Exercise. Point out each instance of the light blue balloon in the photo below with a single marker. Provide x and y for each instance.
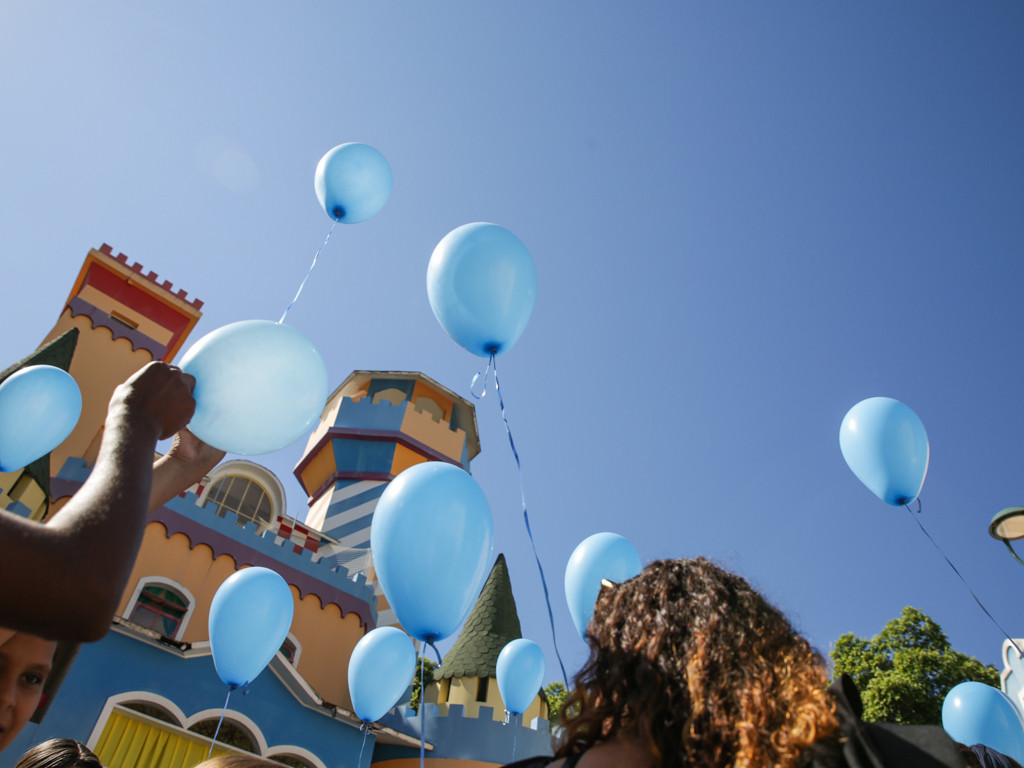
(601, 556)
(884, 443)
(39, 407)
(260, 386)
(975, 713)
(482, 286)
(520, 673)
(352, 182)
(379, 671)
(431, 539)
(250, 615)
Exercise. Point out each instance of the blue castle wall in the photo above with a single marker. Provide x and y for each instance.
(120, 663)
(456, 736)
(325, 570)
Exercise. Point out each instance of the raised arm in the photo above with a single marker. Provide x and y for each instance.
(63, 580)
(188, 462)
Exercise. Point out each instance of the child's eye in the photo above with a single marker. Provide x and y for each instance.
(32, 679)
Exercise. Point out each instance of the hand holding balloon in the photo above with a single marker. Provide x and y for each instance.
(39, 407)
(159, 393)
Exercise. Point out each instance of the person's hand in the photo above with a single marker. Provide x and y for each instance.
(159, 393)
(193, 455)
(188, 461)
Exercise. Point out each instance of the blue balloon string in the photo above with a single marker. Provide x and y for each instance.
(526, 518)
(515, 734)
(222, 712)
(365, 728)
(309, 271)
(917, 520)
(423, 714)
(485, 374)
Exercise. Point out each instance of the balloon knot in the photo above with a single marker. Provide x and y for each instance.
(338, 213)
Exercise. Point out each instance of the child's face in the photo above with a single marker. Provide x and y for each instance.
(25, 662)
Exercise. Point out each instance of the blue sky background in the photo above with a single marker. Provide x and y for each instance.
(745, 217)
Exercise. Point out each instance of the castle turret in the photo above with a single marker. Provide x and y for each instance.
(467, 674)
(374, 426)
(145, 319)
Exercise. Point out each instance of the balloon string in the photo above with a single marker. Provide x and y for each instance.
(217, 730)
(437, 653)
(309, 271)
(526, 518)
(366, 731)
(485, 374)
(515, 734)
(423, 713)
(957, 572)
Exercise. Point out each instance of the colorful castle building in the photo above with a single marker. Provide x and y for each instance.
(147, 695)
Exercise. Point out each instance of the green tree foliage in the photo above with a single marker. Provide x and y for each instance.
(428, 677)
(905, 671)
(555, 694)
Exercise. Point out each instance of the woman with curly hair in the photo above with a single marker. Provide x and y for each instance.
(691, 668)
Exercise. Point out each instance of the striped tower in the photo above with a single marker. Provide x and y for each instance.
(376, 424)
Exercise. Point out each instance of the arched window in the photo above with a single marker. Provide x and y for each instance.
(231, 733)
(161, 608)
(243, 496)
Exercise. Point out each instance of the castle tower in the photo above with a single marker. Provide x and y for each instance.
(468, 672)
(464, 712)
(145, 319)
(374, 426)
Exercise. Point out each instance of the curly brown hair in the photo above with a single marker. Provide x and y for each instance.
(688, 662)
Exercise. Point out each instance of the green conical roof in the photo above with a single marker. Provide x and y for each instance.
(57, 353)
(492, 624)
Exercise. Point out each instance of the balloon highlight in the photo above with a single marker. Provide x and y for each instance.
(260, 386)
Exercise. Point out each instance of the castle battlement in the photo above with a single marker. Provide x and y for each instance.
(308, 573)
(455, 735)
(150, 276)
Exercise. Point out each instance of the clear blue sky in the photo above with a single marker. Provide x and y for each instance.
(745, 217)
